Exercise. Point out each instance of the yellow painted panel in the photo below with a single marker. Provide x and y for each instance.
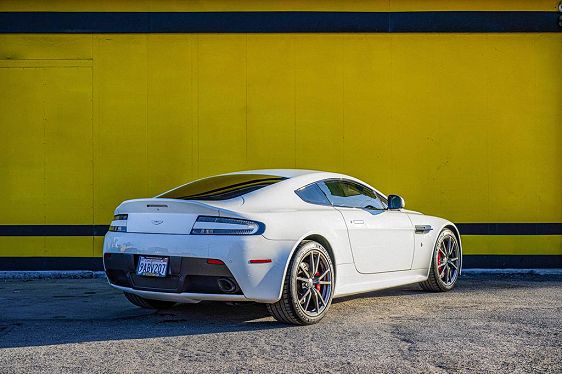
(65, 246)
(319, 102)
(170, 111)
(271, 101)
(22, 246)
(98, 246)
(440, 118)
(240, 5)
(47, 167)
(46, 246)
(68, 158)
(22, 173)
(525, 172)
(367, 152)
(221, 85)
(120, 118)
(512, 244)
(45, 46)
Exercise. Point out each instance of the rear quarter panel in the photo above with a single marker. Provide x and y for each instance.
(295, 225)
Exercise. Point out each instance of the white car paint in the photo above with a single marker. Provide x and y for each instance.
(370, 251)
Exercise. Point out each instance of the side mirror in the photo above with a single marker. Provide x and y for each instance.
(395, 202)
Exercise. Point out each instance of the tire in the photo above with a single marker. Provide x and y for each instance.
(307, 295)
(148, 303)
(446, 257)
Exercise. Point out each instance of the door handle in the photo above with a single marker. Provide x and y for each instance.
(358, 222)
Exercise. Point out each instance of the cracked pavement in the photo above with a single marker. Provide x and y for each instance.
(489, 323)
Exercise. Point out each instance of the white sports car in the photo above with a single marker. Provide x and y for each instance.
(292, 239)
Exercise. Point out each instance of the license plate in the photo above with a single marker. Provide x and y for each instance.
(152, 266)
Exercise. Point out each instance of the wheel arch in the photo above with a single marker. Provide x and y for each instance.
(317, 238)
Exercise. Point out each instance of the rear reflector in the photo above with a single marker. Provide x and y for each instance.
(212, 261)
(264, 261)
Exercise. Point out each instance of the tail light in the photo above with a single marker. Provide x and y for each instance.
(205, 225)
(119, 223)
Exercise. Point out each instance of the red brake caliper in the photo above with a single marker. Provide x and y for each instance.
(317, 286)
(439, 259)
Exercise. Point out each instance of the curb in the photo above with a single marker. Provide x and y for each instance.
(61, 274)
(476, 271)
(86, 274)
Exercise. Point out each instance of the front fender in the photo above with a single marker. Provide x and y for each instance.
(424, 242)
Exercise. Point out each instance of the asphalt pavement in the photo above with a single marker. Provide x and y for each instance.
(488, 324)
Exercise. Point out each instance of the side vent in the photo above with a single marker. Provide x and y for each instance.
(423, 229)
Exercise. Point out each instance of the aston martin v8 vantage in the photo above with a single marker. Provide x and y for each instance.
(292, 239)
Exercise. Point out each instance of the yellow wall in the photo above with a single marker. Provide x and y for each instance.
(464, 126)
(271, 5)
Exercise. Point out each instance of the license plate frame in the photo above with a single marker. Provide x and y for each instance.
(152, 266)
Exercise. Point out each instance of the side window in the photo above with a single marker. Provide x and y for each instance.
(351, 194)
(313, 194)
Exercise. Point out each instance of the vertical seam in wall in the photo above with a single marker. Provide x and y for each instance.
(196, 65)
(246, 99)
(391, 167)
(342, 66)
(146, 113)
(487, 133)
(92, 151)
(44, 146)
(294, 63)
(192, 105)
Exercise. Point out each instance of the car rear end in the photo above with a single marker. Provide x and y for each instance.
(192, 249)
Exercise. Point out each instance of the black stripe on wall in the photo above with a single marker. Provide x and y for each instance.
(464, 228)
(278, 22)
(53, 230)
(510, 228)
(96, 264)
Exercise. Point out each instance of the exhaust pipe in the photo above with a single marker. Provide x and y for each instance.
(226, 285)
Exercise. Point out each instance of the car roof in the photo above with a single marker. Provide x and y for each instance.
(285, 173)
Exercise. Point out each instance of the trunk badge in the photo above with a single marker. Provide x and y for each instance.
(156, 221)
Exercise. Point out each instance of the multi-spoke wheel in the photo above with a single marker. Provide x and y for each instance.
(308, 286)
(445, 264)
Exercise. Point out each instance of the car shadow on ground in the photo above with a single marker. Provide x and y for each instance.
(39, 313)
(78, 316)
(130, 322)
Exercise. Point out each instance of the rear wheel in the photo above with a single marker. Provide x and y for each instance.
(445, 263)
(148, 303)
(308, 286)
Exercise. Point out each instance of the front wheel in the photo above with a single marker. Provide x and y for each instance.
(445, 263)
(308, 287)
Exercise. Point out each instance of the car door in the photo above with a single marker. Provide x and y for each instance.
(382, 240)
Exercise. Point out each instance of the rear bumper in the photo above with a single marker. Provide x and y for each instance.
(185, 275)
(261, 282)
(184, 297)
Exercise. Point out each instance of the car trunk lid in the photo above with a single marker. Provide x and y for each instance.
(163, 216)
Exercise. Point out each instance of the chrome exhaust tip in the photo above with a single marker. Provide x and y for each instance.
(227, 285)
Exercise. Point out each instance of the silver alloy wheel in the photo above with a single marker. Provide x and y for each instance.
(448, 260)
(314, 283)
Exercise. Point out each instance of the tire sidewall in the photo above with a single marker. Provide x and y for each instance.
(442, 235)
(301, 252)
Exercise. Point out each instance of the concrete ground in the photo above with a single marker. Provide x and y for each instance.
(489, 323)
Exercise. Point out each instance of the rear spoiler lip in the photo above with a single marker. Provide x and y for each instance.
(220, 209)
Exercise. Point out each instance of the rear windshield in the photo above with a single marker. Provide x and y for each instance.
(222, 187)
